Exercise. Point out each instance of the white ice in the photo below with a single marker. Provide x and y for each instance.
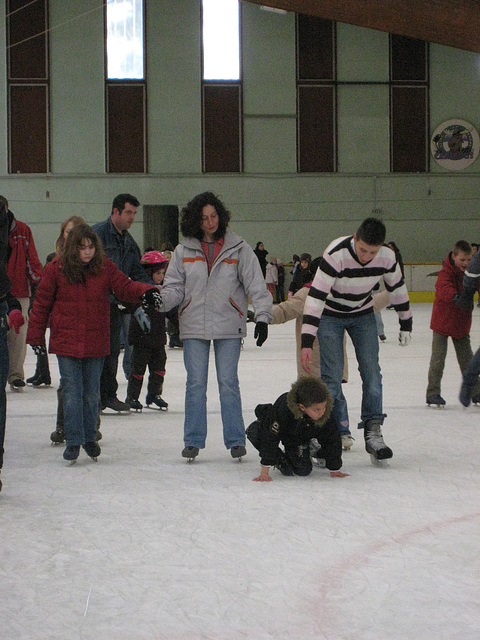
(143, 546)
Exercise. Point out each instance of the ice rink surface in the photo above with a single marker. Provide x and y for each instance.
(144, 546)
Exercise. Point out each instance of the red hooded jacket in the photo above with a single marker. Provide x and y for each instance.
(79, 313)
(447, 318)
(24, 268)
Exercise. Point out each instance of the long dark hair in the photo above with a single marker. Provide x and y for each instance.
(191, 222)
(71, 265)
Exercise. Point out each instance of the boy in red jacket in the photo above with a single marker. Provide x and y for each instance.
(449, 321)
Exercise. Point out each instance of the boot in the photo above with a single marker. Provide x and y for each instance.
(43, 368)
(374, 444)
(36, 374)
(135, 383)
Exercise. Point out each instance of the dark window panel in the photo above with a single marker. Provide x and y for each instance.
(316, 129)
(27, 25)
(126, 128)
(222, 147)
(409, 122)
(408, 59)
(315, 48)
(28, 129)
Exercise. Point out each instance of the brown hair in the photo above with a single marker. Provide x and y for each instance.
(60, 242)
(73, 268)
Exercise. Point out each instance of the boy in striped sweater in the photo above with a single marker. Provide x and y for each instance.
(340, 299)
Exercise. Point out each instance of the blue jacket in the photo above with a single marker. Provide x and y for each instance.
(122, 250)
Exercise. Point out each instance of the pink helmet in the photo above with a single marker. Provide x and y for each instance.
(154, 258)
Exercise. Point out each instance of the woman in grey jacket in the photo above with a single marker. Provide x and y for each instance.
(211, 276)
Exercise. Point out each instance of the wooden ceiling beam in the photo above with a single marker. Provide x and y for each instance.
(454, 23)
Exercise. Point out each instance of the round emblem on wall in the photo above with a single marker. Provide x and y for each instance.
(455, 144)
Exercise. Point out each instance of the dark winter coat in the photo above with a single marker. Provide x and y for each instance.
(79, 313)
(283, 422)
(157, 335)
(262, 259)
(447, 318)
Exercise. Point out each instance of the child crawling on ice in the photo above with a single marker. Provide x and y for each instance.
(301, 420)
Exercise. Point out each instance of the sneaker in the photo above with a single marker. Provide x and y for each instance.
(18, 383)
(437, 399)
(238, 452)
(72, 452)
(92, 449)
(116, 405)
(190, 452)
(374, 443)
(347, 441)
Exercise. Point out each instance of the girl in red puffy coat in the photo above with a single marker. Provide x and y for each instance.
(74, 293)
(448, 320)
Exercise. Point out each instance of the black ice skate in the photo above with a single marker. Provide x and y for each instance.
(437, 399)
(115, 405)
(57, 436)
(190, 453)
(92, 449)
(71, 453)
(374, 444)
(238, 452)
(135, 404)
(156, 400)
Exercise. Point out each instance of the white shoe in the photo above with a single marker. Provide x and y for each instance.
(347, 441)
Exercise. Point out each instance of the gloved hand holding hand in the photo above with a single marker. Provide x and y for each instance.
(39, 349)
(15, 320)
(404, 338)
(142, 319)
(152, 298)
(261, 333)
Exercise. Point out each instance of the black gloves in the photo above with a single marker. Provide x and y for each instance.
(152, 298)
(261, 333)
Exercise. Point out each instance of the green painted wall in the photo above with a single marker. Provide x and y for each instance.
(290, 213)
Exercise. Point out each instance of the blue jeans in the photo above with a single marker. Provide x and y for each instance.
(81, 395)
(363, 333)
(3, 374)
(195, 356)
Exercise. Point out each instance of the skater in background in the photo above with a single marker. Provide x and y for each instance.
(280, 286)
(74, 294)
(148, 337)
(470, 378)
(449, 321)
(295, 419)
(271, 277)
(261, 254)
(24, 271)
(340, 299)
(212, 275)
(11, 318)
(302, 274)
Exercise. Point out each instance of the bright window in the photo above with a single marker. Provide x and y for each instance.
(221, 40)
(125, 39)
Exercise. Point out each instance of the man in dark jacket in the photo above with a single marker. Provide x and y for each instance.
(10, 317)
(295, 419)
(122, 249)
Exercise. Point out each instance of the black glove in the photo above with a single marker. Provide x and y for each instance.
(261, 333)
(152, 298)
(39, 349)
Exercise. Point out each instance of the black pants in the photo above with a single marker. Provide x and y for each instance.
(153, 357)
(108, 380)
(298, 456)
